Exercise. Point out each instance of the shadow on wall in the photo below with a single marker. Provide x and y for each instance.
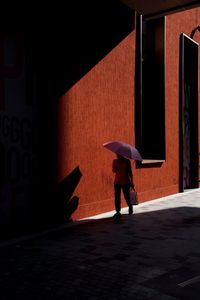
(57, 211)
(64, 45)
(77, 36)
(65, 204)
(61, 43)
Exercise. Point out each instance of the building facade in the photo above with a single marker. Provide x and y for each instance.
(69, 86)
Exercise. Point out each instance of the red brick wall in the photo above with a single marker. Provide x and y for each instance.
(100, 107)
(158, 182)
(97, 109)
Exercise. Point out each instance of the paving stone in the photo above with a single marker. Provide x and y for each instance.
(143, 256)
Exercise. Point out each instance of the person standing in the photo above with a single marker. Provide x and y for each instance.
(123, 181)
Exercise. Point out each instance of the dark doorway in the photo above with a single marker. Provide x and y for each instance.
(188, 118)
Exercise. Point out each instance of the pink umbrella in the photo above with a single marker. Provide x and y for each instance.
(123, 149)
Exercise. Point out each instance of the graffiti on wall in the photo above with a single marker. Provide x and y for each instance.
(16, 130)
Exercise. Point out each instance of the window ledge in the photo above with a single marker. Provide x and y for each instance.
(152, 161)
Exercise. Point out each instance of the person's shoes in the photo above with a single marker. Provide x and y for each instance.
(130, 210)
(117, 215)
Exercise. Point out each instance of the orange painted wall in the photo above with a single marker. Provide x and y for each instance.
(100, 107)
(97, 109)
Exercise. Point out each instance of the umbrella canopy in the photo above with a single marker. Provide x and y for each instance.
(123, 149)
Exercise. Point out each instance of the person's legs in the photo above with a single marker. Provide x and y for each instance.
(126, 192)
(117, 189)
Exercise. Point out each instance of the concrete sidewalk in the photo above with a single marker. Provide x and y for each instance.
(152, 254)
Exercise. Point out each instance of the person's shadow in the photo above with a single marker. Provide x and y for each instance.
(66, 203)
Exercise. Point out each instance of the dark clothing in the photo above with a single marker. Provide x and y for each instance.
(126, 191)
